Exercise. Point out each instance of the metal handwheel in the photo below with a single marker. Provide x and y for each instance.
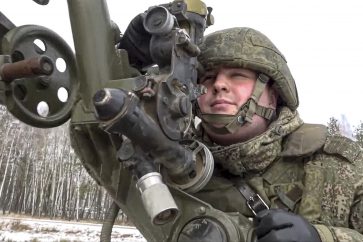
(44, 97)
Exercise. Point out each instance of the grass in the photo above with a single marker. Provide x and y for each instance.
(18, 226)
(48, 230)
(94, 221)
(67, 240)
(33, 240)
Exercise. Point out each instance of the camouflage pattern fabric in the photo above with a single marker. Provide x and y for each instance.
(258, 153)
(330, 177)
(333, 194)
(250, 49)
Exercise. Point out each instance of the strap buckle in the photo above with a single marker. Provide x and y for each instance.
(253, 200)
(256, 204)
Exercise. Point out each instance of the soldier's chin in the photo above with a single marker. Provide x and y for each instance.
(217, 125)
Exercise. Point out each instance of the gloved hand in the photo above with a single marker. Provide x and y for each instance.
(277, 225)
(136, 41)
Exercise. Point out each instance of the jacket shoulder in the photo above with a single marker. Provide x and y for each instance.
(306, 140)
(344, 147)
(311, 138)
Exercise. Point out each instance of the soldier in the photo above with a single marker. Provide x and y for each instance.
(295, 181)
(312, 182)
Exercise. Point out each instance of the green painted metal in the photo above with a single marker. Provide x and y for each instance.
(98, 64)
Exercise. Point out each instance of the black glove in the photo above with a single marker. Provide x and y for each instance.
(277, 225)
(136, 41)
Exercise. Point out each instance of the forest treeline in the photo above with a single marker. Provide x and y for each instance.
(40, 175)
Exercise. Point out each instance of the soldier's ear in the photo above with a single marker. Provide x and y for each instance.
(273, 96)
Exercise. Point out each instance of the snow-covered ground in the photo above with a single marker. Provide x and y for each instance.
(41, 230)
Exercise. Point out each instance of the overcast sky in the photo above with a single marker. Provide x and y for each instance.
(321, 40)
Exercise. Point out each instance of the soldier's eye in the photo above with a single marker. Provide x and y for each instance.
(238, 75)
(207, 79)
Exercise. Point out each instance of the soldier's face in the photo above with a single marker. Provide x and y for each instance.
(228, 90)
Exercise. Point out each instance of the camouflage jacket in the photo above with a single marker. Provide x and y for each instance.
(292, 164)
(312, 174)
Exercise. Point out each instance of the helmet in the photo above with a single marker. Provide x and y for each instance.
(250, 49)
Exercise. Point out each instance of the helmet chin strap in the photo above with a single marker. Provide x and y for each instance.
(245, 114)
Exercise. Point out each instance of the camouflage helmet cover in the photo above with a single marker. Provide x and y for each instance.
(250, 49)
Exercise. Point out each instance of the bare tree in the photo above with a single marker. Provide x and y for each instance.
(41, 175)
(358, 134)
(333, 126)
